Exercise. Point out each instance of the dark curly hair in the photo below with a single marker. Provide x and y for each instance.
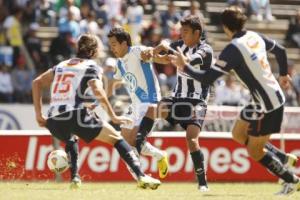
(121, 35)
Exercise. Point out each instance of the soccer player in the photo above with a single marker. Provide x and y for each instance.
(246, 55)
(144, 91)
(188, 103)
(69, 81)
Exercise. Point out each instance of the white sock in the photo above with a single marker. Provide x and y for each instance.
(149, 150)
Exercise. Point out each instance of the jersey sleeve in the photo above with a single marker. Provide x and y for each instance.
(54, 69)
(279, 51)
(173, 46)
(137, 50)
(229, 59)
(93, 72)
(203, 58)
(270, 43)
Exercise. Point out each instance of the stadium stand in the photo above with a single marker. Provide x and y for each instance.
(282, 10)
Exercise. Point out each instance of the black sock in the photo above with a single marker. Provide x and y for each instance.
(129, 157)
(72, 150)
(280, 154)
(273, 164)
(198, 160)
(145, 128)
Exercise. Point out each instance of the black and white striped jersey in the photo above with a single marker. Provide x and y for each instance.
(201, 56)
(246, 55)
(69, 89)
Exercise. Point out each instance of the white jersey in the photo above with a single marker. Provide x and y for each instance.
(247, 56)
(70, 85)
(139, 76)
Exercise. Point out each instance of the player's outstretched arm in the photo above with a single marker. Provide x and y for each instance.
(152, 55)
(99, 92)
(182, 64)
(112, 85)
(159, 58)
(281, 57)
(38, 84)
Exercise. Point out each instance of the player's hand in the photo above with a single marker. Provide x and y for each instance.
(121, 120)
(163, 46)
(285, 81)
(41, 120)
(179, 59)
(146, 55)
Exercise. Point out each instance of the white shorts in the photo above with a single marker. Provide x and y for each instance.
(136, 112)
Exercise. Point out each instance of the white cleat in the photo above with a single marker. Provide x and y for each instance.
(203, 188)
(288, 189)
(75, 183)
(148, 182)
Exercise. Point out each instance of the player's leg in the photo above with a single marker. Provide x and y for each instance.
(245, 124)
(146, 126)
(261, 126)
(239, 132)
(129, 135)
(268, 159)
(130, 131)
(191, 114)
(192, 136)
(72, 150)
(61, 127)
(240, 135)
(147, 150)
(161, 156)
(145, 114)
(109, 135)
(88, 126)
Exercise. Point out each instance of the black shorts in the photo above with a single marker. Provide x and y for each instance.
(185, 111)
(85, 125)
(262, 124)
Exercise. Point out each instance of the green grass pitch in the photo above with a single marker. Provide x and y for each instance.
(129, 191)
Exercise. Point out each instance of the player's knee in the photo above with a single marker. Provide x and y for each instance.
(192, 142)
(152, 112)
(162, 110)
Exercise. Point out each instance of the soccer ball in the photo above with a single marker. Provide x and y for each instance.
(58, 161)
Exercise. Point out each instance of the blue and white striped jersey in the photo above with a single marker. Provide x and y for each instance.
(139, 76)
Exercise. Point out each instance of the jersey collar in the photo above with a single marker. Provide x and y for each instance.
(239, 34)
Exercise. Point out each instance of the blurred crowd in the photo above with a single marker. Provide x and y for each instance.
(22, 56)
